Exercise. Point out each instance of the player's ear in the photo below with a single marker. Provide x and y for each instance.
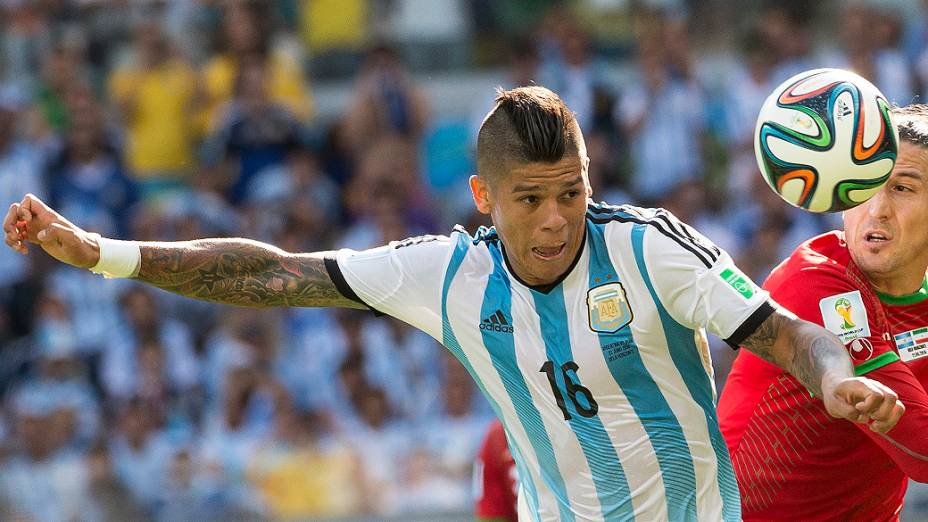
(480, 190)
(586, 177)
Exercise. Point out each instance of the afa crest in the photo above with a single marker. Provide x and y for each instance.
(608, 308)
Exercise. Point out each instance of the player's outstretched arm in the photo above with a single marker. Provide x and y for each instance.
(232, 271)
(240, 272)
(817, 358)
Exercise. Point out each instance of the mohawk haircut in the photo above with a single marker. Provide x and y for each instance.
(912, 122)
(527, 125)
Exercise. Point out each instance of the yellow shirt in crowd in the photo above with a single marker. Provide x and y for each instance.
(157, 103)
(334, 24)
(286, 86)
(305, 482)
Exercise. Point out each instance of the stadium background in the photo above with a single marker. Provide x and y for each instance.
(316, 124)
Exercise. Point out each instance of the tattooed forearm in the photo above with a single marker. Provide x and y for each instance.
(825, 355)
(761, 341)
(240, 272)
(806, 350)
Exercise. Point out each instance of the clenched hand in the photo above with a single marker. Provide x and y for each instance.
(32, 221)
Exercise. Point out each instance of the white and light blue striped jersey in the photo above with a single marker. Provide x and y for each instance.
(600, 381)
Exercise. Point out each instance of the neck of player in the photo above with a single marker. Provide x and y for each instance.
(898, 284)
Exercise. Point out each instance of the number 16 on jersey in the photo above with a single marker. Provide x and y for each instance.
(579, 395)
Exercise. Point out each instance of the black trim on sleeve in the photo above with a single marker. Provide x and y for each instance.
(659, 221)
(750, 325)
(335, 274)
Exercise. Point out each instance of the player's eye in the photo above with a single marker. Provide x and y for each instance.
(571, 194)
(902, 188)
(529, 200)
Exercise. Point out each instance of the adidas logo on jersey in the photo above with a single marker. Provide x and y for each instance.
(496, 323)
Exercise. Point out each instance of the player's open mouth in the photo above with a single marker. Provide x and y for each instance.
(549, 252)
(876, 237)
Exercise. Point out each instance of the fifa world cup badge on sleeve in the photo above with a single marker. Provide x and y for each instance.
(608, 308)
(845, 316)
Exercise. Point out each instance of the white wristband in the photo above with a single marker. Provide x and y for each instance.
(117, 258)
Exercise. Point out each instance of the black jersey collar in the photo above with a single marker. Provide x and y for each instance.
(545, 288)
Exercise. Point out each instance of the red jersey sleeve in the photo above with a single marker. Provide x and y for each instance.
(494, 478)
(834, 299)
(906, 443)
(829, 297)
(820, 291)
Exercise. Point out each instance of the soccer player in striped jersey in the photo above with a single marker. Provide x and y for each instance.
(868, 285)
(578, 321)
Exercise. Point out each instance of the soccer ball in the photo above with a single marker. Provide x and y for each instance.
(825, 140)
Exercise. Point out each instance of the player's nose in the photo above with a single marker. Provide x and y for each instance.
(554, 219)
(879, 206)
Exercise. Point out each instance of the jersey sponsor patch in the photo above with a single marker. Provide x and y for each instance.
(845, 316)
(608, 308)
(912, 344)
(739, 282)
(860, 349)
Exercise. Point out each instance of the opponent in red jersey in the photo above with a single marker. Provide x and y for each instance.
(495, 478)
(867, 285)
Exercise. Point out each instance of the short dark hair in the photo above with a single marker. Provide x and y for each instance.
(912, 122)
(527, 125)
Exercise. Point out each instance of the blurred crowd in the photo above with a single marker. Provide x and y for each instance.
(179, 119)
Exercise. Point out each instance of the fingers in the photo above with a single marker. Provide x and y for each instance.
(880, 406)
(864, 400)
(23, 214)
(14, 229)
(54, 234)
(885, 407)
(17, 245)
(14, 222)
(19, 217)
(27, 208)
(843, 410)
(31, 205)
(885, 412)
(883, 425)
(871, 403)
(11, 218)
